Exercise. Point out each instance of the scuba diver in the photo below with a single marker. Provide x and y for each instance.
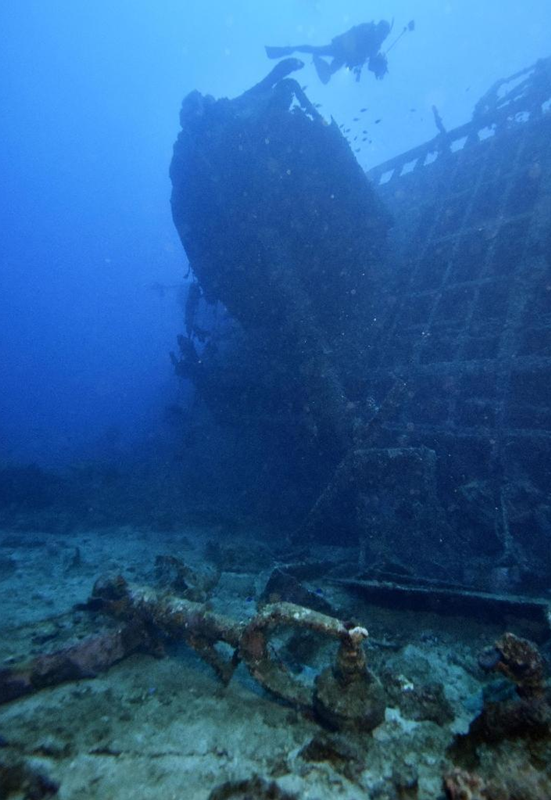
(358, 46)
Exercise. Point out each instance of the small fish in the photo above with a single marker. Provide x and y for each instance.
(362, 110)
(413, 109)
(317, 105)
(249, 599)
(364, 131)
(364, 139)
(319, 591)
(377, 121)
(358, 150)
(304, 88)
(355, 137)
(356, 119)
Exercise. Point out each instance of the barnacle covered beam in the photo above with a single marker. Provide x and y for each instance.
(346, 696)
(85, 659)
(174, 618)
(270, 672)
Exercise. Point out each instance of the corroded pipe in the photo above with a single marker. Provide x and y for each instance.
(255, 651)
(149, 617)
(174, 618)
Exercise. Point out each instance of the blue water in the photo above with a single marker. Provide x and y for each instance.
(358, 424)
(90, 96)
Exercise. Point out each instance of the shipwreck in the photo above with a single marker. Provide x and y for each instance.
(378, 349)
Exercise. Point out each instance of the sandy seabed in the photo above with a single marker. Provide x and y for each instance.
(167, 728)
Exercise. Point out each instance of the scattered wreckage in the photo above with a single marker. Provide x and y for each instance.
(348, 694)
(346, 698)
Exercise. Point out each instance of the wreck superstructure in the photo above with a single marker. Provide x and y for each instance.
(468, 322)
(398, 380)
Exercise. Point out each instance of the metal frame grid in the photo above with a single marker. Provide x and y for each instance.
(469, 319)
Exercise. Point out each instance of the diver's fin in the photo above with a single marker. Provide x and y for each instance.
(323, 69)
(279, 52)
